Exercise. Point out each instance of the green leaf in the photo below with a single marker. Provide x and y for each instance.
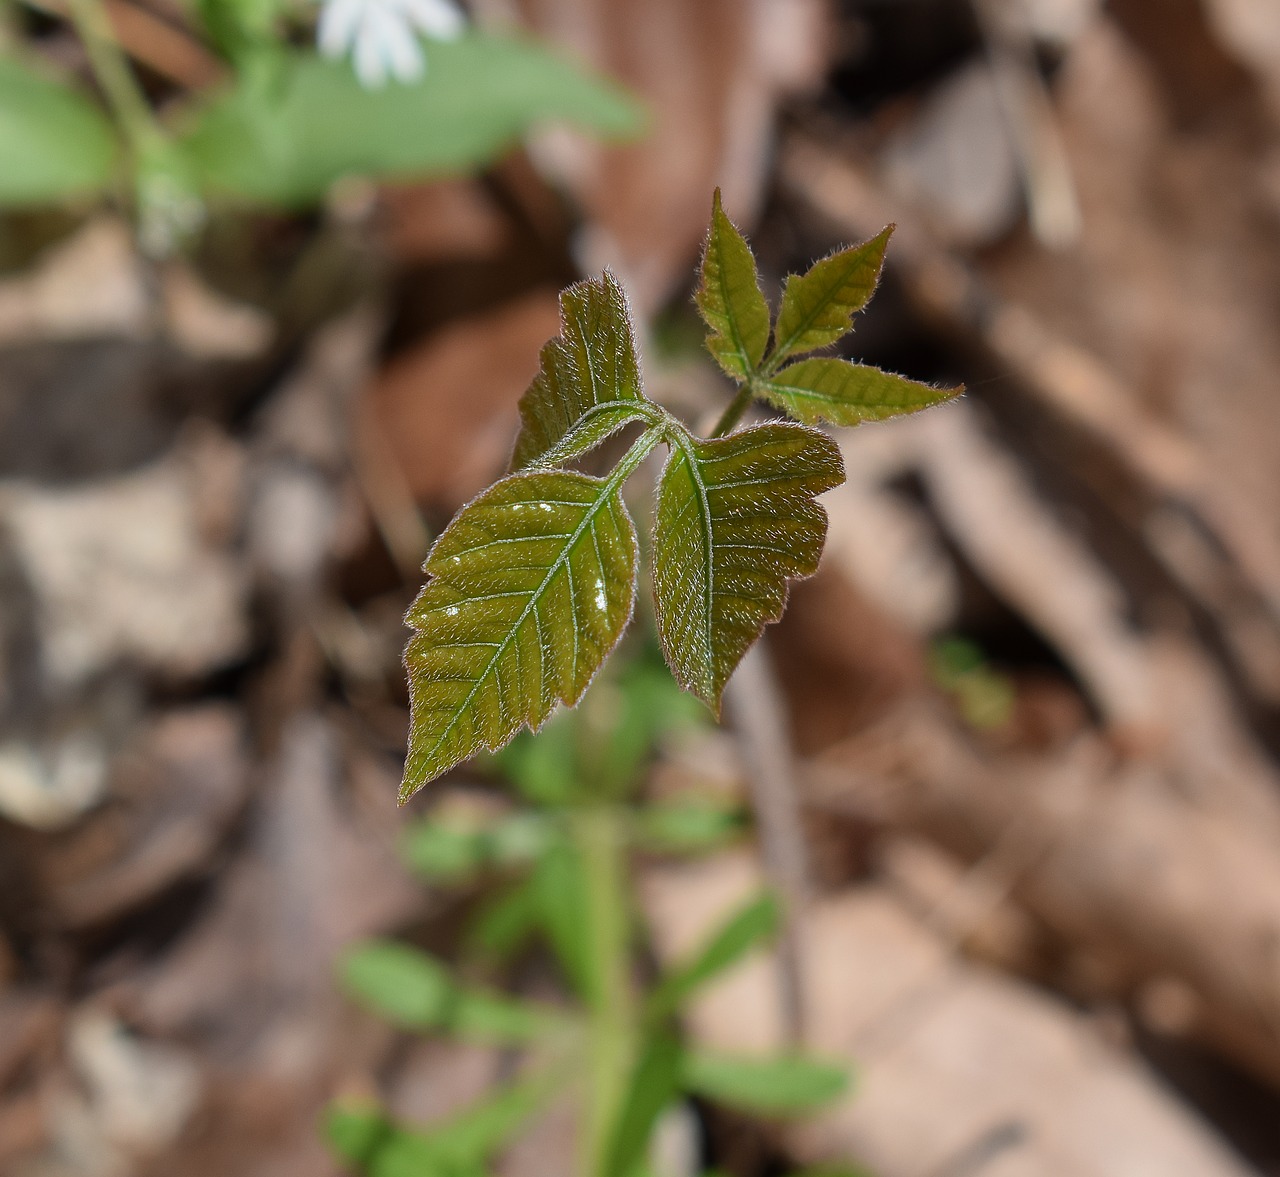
(479, 1016)
(54, 143)
(287, 142)
(842, 393)
(757, 921)
(363, 1136)
(400, 983)
(655, 1082)
(355, 1130)
(729, 298)
(560, 883)
(414, 990)
(588, 385)
(769, 1086)
(528, 590)
(818, 307)
(736, 519)
(505, 922)
(685, 826)
(445, 852)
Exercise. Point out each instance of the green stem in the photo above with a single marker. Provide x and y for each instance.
(600, 838)
(733, 414)
(111, 68)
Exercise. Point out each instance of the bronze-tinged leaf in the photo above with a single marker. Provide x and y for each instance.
(843, 393)
(588, 385)
(818, 306)
(736, 519)
(729, 298)
(529, 589)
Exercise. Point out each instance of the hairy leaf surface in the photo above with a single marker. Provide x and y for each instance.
(730, 300)
(818, 306)
(736, 520)
(844, 393)
(528, 590)
(588, 384)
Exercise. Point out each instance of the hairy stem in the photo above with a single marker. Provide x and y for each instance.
(114, 74)
(600, 838)
(733, 414)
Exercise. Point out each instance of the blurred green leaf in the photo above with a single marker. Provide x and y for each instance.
(364, 1137)
(729, 298)
(355, 1130)
(843, 393)
(414, 990)
(736, 520)
(505, 922)
(755, 922)
(562, 903)
(685, 826)
(543, 767)
(447, 852)
(779, 1085)
(479, 1016)
(818, 306)
(655, 1082)
(985, 697)
(285, 144)
(442, 852)
(400, 983)
(54, 143)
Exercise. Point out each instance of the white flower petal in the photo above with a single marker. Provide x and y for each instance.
(369, 60)
(339, 26)
(436, 18)
(400, 46)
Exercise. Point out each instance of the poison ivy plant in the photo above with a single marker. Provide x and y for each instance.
(532, 584)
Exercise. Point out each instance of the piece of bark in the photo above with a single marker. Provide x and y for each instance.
(959, 1070)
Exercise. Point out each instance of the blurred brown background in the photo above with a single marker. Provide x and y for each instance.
(1033, 697)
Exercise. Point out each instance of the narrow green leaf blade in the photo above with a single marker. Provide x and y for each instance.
(655, 1082)
(528, 591)
(54, 143)
(781, 1085)
(398, 982)
(588, 385)
(736, 519)
(843, 393)
(818, 306)
(285, 143)
(729, 298)
(754, 923)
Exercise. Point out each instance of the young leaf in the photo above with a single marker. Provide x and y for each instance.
(755, 922)
(54, 143)
(588, 385)
(818, 307)
(736, 519)
(770, 1086)
(287, 142)
(842, 393)
(685, 826)
(528, 590)
(729, 298)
